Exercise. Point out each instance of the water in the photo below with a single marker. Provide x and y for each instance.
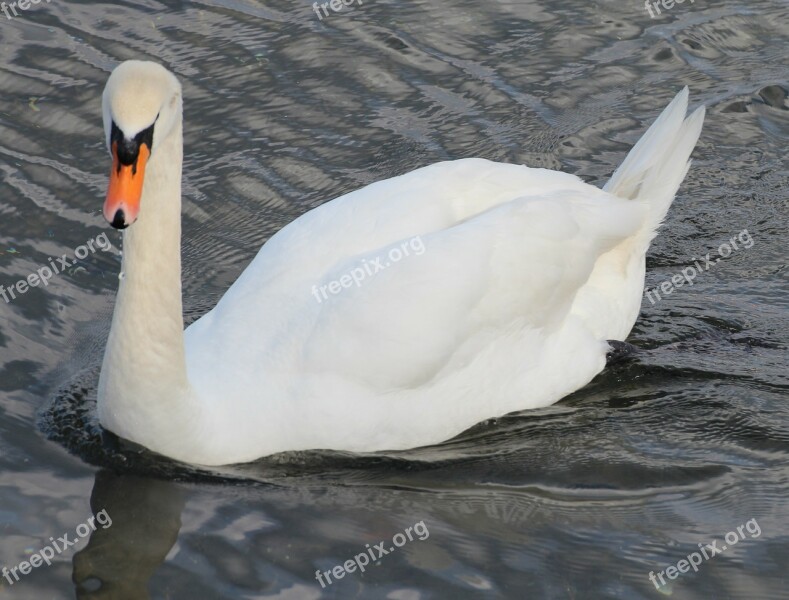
(285, 111)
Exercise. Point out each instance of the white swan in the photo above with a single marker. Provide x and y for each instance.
(522, 276)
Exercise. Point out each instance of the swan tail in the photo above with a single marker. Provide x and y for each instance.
(657, 164)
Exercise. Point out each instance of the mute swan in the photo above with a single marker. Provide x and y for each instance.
(523, 276)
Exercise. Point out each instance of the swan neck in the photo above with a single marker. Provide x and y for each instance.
(146, 341)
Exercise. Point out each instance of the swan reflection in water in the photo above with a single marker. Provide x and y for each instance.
(120, 560)
(271, 539)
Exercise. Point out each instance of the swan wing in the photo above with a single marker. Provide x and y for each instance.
(483, 249)
(516, 266)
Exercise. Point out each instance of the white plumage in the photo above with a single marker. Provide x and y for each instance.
(523, 276)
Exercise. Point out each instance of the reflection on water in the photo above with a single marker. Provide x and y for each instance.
(120, 560)
(285, 111)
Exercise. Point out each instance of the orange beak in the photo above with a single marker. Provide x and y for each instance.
(123, 196)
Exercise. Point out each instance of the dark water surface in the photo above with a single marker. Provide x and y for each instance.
(283, 112)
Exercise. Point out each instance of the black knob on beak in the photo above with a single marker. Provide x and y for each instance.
(119, 220)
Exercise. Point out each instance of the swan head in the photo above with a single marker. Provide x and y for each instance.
(141, 106)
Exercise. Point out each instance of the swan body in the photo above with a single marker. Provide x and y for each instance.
(507, 283)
